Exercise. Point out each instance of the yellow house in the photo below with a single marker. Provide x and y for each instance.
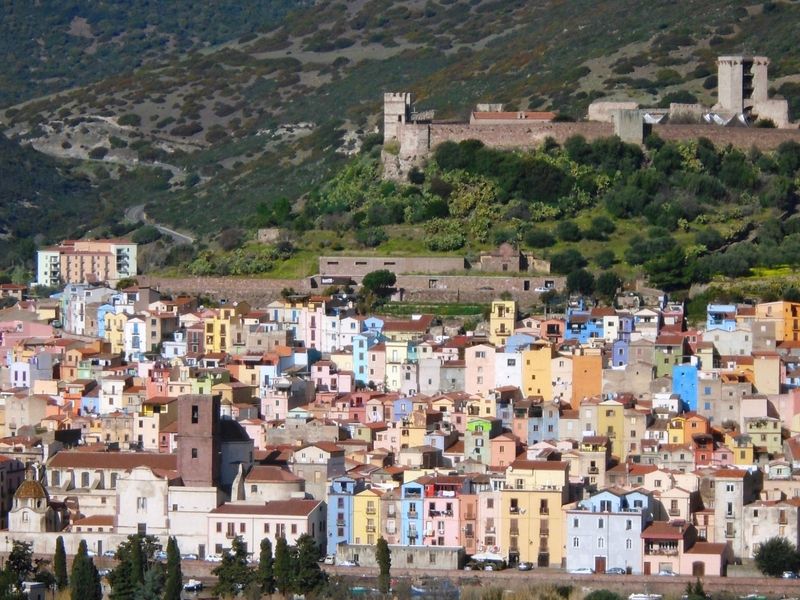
(741, 446)
(367, 517)
(537, 371)
(767, 372)
(786, 317)
(676, 430)
(531, 519)
(218, 329)
(501, 321)
(765, 432)
(343, 360)
(115, 331)
(481, 406)
(611, 423)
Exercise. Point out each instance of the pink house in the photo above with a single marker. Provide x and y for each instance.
(479, 369)
(503, 450)
(442, 510)
(327, 377)
(376, 364)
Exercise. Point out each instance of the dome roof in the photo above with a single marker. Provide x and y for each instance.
(30, 489)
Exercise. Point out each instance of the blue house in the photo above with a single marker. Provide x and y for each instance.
(412, 496)
(340, 510)
(721, 316)
(518, 341)
(361, 344)
(540, 418)
(684, 383)
(102, 310)
(605, 531)
(373, 327)
(620, 351)
(402, 408)
(626, 326)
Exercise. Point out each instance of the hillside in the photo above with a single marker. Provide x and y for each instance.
(245, 118)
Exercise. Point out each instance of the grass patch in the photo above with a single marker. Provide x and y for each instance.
(403, 309)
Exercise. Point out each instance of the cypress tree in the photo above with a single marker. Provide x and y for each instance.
(153, 584)
(266, 576)
(282, 566)
(307, 576)
(137, 561)
(384, 557)
(60, 564)
(174, 572)
(84, 582)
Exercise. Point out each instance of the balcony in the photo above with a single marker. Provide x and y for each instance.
(370, 528)
(513, 510)
(594, 471)
(230, 535)
(730, 533)
(490, 529)
(674, 512)
(340, 523)
(661, 551)
(370, 510)
(513, 531)
(412, 514)
(413, 534)
(543, 510)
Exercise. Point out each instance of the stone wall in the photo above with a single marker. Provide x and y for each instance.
(257, 292)
(475, 288)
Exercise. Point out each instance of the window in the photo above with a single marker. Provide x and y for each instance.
(628, 544)
(219, 527)
(241, 527)
(601, 542)
(575, 523)
(194, 452)
(195, 414)
(599, 523)
(729, 487)
(141, 504)
(294, 528)
(628, 524)
(576, 542)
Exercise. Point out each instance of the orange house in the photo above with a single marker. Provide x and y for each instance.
(587, 374)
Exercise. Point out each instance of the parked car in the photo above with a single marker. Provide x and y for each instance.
(473, 566)
(348, 563)
(616, 571)
(330, 559)
(103, 572)
(525, 566)
(189, 556)
(214, 558)
(193, 585)
(667, 573)
(160, 555)
(542, 289)
(110, 554)
(582, 571)
(790, 575)
(91, 553)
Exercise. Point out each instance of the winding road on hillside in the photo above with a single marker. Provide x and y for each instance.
(136, 214)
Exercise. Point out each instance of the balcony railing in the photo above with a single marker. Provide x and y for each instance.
(370, 511)
(730, 533)
(413, 534)
(514, 510)
(593, 470)
(340, 523)
(661, 551)
(230, 535)
(513, 532)
(370, 528)
(490, 529)
(543, 510)
(674, 512)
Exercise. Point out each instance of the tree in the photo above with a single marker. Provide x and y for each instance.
(152, 585)
(282, 566)
(581, 281)
(20, 560)
(84, 581)
(174, 584)
(265, 575)
(307, 574)
(60, 564)
(605, 259)
(777, 555)
(384, 557)
(602, 595)
(567, 261)
(568, 231)
(128, 578)
(379, 282)
(233, 573)
(695, 591)
(607, 284)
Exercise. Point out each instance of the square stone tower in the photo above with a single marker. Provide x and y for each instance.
(742, 83)
(396, 110)
(198, 440)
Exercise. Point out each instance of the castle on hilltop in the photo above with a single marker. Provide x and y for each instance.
(410, 135)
